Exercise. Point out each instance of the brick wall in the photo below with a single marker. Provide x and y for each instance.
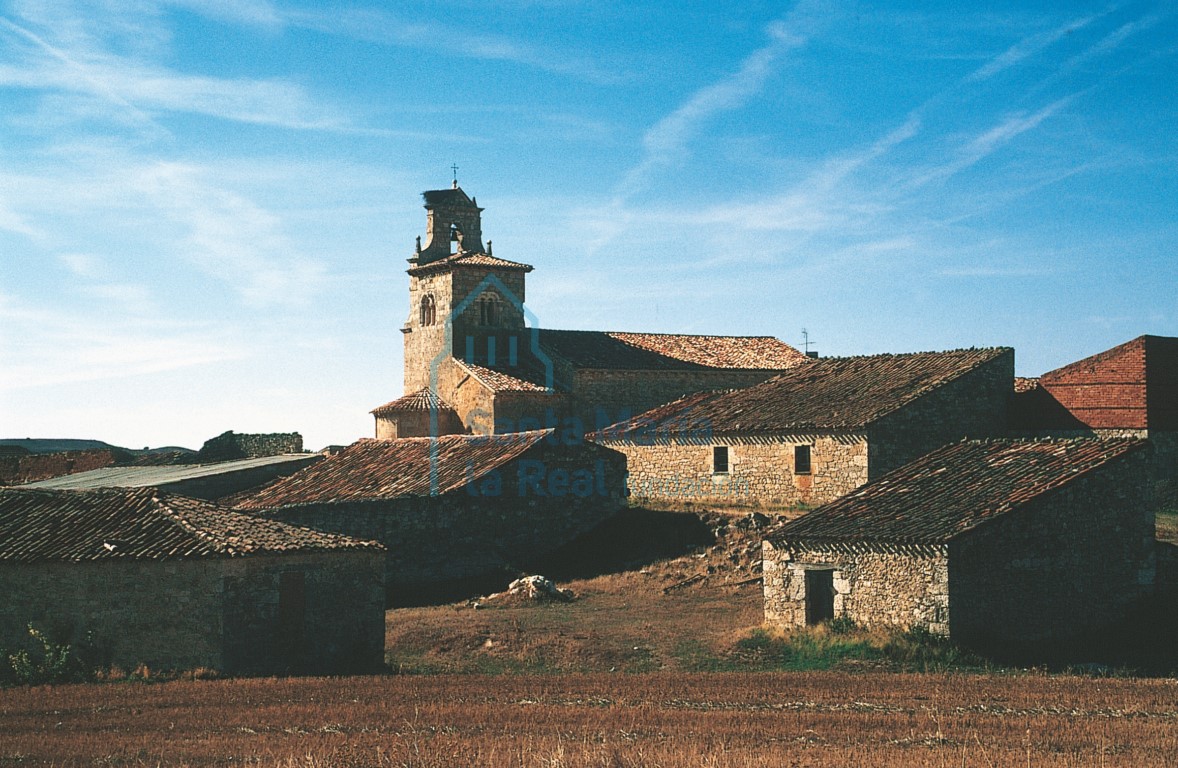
(17, 469)
(216, 613)
(760, 471)
(900, 586)
(1107, 390)
(1078, 557)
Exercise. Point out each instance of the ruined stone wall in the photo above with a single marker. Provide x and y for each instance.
(902, 586)
(526, 508)
(1079, 557)
(232, 445)
(29, 468)
(216, 613)
(761, 471)
(973, 405)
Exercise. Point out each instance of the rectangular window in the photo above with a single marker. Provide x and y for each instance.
(720, 460)
(801, 459)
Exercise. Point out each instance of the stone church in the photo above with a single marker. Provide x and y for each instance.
(477, 362)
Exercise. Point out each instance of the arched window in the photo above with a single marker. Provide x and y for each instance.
(488, 309)
(428, 311)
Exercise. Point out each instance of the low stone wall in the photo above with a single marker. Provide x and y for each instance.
(874, 585)
(231, 445)
(215, 613)
(760, 471)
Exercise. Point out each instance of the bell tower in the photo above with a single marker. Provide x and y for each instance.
(453, 225)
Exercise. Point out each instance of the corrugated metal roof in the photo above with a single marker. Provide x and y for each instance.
(141, 524)
(954, 489)
(371, 470)
(144, 477)
(830, 393)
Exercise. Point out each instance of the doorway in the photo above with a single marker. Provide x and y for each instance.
(819, 595)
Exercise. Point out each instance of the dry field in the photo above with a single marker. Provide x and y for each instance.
(779, 719)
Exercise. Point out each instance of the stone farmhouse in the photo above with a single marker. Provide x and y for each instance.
(479, 363)
(815, 432)
(453, 507)
(175, 583)
(988, 542)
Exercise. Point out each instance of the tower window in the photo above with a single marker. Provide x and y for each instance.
(489, 309)
(801, 459)
(720, 460)
(429, 314)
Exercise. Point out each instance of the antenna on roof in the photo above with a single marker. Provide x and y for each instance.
(806, 344)
(454, 168)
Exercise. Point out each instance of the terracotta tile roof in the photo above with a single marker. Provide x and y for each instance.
(141, 524)
(468, 259)
(830, 393)
(1025, 384)
(370, 470)
(421, 400)
(953, 490)
(667, 351)
(528, 377)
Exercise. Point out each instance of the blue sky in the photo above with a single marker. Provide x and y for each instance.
(205, 207)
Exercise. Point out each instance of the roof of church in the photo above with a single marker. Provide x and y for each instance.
(372, 470)
(669, 351)
(505, 378)
(141, 524)
(954, 489)
(422, 400)
(829, 393)
(468, 259)
(435, 197)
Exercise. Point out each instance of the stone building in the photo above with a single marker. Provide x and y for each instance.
(471, 342)
(989, 542)
(175, 583)
(453, 507)
(1129, 390)
(814, 432)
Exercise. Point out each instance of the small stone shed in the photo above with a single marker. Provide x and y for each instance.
(816, 431)
(177, 583)
(456, 506)
(991, 541)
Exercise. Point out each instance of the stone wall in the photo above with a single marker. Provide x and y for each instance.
(601, 398)
(973, 405)
(418, 424)
(424, 344)
(524, 509)
(16, 469)
(901, 586)
(760, 471)
(1076, 558)
(231, 445)
(185, 614)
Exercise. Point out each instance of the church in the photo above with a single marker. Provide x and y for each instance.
(476, 361)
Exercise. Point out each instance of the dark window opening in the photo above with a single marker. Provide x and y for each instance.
(819, 595)
(489, 310)
(429, 314)
(801, 459)
(720, 460)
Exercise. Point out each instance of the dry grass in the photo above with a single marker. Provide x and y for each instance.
(671, 720)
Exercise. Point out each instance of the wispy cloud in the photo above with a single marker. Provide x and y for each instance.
(665, 141)
(1029, 46)
(140, 90)
(230, 237)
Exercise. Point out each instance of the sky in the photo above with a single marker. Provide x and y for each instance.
(206, 207)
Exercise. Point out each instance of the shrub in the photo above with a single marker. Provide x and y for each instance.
(48, 662)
